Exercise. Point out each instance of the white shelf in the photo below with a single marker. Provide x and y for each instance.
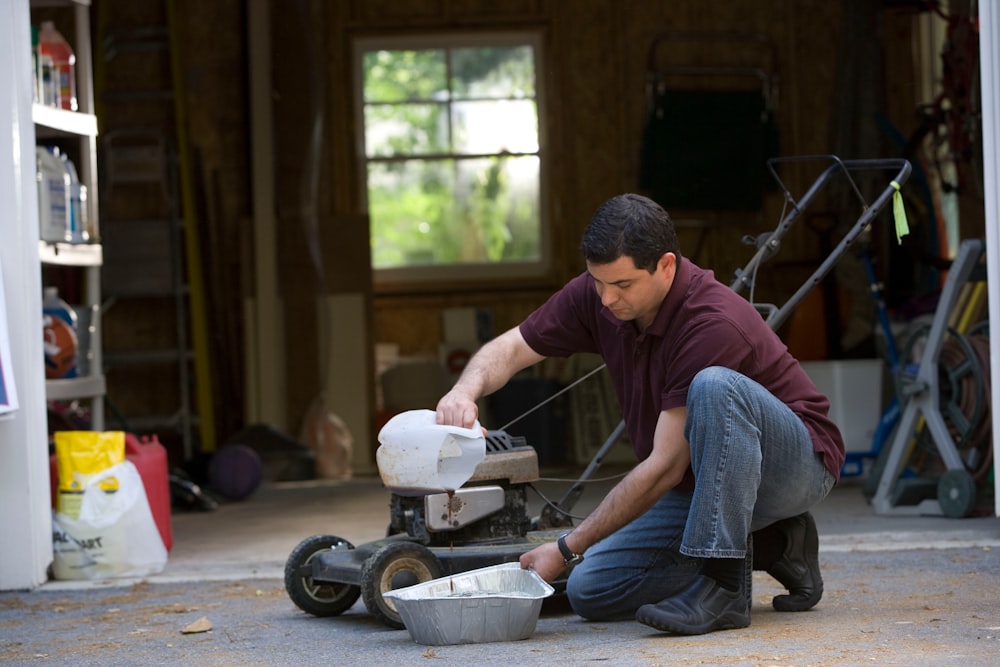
(91, 386)
(79, 127)
(70, 254)
(52, 121)
(58, 3)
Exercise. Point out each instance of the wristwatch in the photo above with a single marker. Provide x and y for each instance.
(567, 554)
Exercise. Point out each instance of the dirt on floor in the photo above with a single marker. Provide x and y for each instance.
(916, 607)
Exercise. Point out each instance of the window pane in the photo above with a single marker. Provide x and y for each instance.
(454, 211)
(497, 206)
(403, 76)
(493, 72)
(408, 202)
(495, 127)
(405, 129)
(451, 152)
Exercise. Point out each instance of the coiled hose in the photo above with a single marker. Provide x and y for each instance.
(964, 370)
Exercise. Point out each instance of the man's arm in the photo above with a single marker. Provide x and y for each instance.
(489, 369)
(630, 498)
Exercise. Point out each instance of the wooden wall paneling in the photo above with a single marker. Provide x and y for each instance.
(410, 13)
(491, 9)
(326, 279)
(326, 260)
(640, 28)
(592, 89)
(595, 67)
(344, 182)
(298, 290)
(345, 341)
(300, 55)
(595, 71)
(422, 316)
(710, 238)
(215, 93)
(374, 12)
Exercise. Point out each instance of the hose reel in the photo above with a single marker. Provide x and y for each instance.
(963, 368)
(943, 440)
(963, 390)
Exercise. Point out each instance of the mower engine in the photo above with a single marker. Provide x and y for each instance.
(491, 506)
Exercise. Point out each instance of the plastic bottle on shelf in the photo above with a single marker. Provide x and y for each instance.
(49, 83)
(54, 205)
(52, 43)
(77, 204)
(46, 89)
(59, 326)
(48, 79)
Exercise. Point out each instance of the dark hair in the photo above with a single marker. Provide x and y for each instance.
(633, 226)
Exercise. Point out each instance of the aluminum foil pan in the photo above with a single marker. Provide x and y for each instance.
(493, 604)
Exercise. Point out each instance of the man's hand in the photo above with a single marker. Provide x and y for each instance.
(546, 560)
(456, 409)
(489, 369)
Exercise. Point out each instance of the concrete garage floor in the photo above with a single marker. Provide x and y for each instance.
(900, 590)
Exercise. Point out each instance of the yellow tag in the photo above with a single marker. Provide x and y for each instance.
(899, 214)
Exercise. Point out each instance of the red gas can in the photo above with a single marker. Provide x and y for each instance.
(150, 459)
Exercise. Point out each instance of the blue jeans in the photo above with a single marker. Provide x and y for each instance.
(753, 464)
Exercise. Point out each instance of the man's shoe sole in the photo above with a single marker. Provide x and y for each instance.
(670, 619)
(680, 629)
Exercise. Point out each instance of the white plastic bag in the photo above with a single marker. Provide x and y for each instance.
(115, 534)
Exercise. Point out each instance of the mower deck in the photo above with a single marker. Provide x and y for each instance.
(343, 566)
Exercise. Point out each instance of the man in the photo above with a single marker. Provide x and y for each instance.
(731, 435)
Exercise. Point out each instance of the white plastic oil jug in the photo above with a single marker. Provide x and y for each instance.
(54, 205)
(416, 455)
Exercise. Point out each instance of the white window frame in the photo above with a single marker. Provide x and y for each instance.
(472, 274)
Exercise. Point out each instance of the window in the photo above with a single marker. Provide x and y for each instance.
(452, 156)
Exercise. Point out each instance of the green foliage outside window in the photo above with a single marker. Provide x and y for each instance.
(452, 150)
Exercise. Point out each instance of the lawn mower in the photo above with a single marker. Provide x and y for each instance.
(486, 522)
(433, 535)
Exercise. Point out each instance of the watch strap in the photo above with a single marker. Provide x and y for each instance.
(564, 549)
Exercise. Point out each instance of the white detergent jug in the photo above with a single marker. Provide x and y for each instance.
(417, 455)
(53, 196)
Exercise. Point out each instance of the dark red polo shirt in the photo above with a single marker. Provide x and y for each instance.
(701, 323)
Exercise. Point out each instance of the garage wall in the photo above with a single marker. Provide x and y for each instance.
(598, 57)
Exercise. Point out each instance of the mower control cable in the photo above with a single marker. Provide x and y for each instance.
(552, 397)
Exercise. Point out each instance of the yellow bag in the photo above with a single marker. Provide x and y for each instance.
(80, 455)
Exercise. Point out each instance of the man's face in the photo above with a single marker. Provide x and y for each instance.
(631, 293)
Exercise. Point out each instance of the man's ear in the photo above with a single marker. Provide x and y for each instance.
(668, 264)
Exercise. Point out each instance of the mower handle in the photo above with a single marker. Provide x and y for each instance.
(744, 276)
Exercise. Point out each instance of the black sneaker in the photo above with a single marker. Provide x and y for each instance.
(702, 607)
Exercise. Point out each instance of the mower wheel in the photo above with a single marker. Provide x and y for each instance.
(319, 598)
(396, 565)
